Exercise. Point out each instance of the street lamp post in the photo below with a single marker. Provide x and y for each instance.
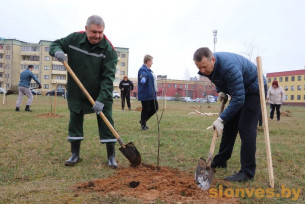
(215, 38)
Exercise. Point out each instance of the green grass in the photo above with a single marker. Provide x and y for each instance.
(33, 150)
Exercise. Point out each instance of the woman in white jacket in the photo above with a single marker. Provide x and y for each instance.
(276, 97)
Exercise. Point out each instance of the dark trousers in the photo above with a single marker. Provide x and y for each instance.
(244, 122)
(125, 95)
(149, 108)
(278, 111)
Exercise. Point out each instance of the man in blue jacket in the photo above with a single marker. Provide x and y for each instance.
(147, 91)
(236, 76)
(24, 88)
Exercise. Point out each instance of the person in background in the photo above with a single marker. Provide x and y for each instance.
(236, 76)
(276, 97)
(93, 60)
(126, 86)
(147, 91)
(24, 88)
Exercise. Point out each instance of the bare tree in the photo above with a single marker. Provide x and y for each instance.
(251, 52)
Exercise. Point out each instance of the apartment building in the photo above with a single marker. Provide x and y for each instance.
(16, 55)
(293, 82)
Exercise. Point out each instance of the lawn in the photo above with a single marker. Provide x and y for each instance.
(34, 147)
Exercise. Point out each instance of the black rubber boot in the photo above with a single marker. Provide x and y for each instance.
(111, 155)
(27, 108)
(17, 109)
(75, 147)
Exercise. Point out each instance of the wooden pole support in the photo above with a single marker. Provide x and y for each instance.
(264, 117)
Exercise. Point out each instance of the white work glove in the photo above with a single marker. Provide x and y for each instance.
(98, 107)
(223, 97)
(218, 126)
(60, 55)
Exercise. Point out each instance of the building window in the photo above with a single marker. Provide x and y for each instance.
(122, 72)
(36, 75)
(298, 97)
(299, 78)
(181, 86)
(123, 55)
(274, 79)
(175, 86)
(36, 67)
(58, 67)
(46, 49)
(46, 86)
(46, 67)
(292, 97)
(46, 58)
(169, 86)
(292, 87)
(8, 57)
(292, 78)
(186, 86)
(286, 78)
(8, 47)
(7, 76)
(269, 80)
(286, 97)
(281, 79)
(122, 64)
(60, 77)
(1, 47)
(304, 97)
(299, 87)
(46, 77)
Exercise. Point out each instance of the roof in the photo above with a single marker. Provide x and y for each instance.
(286, 73)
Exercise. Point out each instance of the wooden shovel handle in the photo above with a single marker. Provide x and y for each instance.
(215, 135)
(81, 86)
(264, 118)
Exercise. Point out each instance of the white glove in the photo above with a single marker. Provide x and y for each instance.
(60, 55)
(218, 126)
(223, 97)
(98, 107)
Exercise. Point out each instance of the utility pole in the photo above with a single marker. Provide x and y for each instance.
(215, 38)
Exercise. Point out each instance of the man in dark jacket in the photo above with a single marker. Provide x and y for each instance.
(126, 87)
(93, 59)
(147, 91)
(24, 88)
(236, 76)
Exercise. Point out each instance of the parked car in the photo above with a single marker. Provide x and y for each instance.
(35, 92)
(60, 92)
(201, 100)
(2, 90)
(116, 94)
(210, 99)
(186, 99)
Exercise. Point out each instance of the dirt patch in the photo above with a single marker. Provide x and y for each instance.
(286, 113)
(147, 184)
(48, 115)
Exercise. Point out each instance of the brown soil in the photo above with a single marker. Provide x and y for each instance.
(49, 115)
(146, 184)
(286, 113)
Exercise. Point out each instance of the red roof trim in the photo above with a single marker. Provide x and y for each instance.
(286, 73)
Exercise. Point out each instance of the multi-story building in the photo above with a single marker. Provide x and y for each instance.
(180, 88)
(293, 82)
(16, 55)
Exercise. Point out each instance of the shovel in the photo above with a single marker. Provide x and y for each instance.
(204, 172)
(128, 150)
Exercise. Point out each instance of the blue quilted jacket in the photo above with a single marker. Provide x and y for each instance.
(234, 75)
(147, 90)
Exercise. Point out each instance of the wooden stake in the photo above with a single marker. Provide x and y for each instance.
(264, 117)
(55, 96)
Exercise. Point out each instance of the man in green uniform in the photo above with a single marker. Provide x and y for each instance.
(93, 59)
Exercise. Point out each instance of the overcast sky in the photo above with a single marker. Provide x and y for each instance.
(171, 30)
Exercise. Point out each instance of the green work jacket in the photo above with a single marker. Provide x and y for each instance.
(94, 65)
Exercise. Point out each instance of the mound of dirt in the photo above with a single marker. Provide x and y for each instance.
(49, 115)
(286, 113)
(147, 184)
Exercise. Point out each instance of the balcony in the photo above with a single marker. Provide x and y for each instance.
(2, 60)
(1, 70)
(29, 62)
(55, 62)
(1, 51)
(59, 72)
(30, 53)
(59, 81)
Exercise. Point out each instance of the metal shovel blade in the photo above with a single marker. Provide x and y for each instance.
(204, 175)
(132, 154)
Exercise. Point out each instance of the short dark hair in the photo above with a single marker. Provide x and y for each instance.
(202, 52)
(30, 66)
